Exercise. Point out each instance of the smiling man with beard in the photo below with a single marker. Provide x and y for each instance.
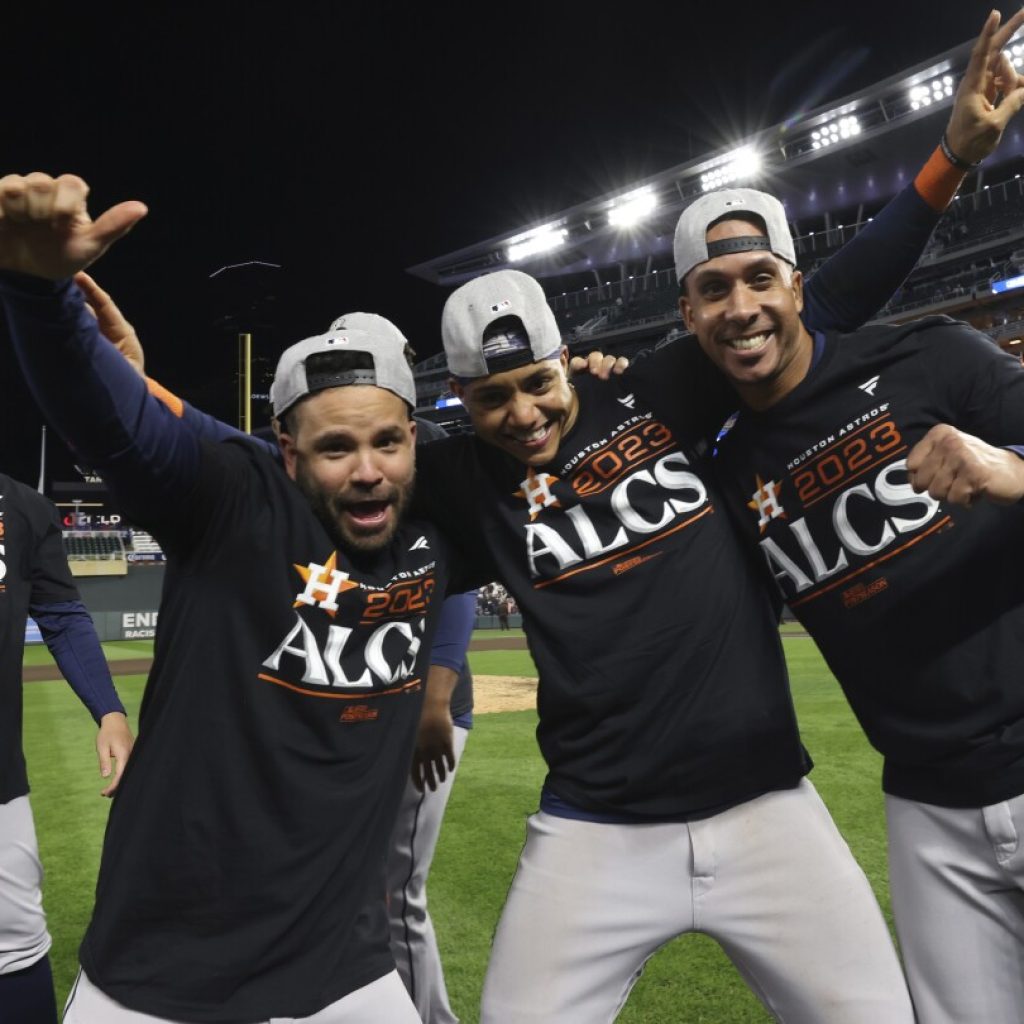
(349, 452)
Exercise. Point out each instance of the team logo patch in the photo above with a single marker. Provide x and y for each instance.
(536, 489)
(765, 501)
(503, 304)
(323, 585)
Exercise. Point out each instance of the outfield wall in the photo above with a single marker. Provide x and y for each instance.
(124, 607)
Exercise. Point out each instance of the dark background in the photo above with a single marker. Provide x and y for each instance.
(348, 142)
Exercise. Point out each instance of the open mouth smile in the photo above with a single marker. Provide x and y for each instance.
(753, 343)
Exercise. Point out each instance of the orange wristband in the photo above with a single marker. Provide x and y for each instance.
(938, 180)
(171, 400)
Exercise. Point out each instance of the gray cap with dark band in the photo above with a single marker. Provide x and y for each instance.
(692, 248)
(380, 339)
(497, 322)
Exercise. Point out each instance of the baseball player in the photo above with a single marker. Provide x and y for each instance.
(444, 726)
(838, 472)
(844, 469)
(242, 871)
(35, 579)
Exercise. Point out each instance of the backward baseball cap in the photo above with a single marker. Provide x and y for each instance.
(691, 246)
(353, 332)
(475, 306)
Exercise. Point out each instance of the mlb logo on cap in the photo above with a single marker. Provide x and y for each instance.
(499, 306)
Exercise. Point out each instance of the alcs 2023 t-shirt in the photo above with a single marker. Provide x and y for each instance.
(242, 874)
(663, 693)
(917, 606)
(242, 865)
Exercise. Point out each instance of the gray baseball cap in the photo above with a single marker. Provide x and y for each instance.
(473, 308)
(691, 247)
(354, 332)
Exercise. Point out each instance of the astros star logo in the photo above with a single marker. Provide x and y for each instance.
(765, 501)
(323, 584)
(536, 489)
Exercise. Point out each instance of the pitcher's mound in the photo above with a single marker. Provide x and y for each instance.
(503, 693)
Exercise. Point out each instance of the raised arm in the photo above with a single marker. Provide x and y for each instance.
(858, 280)
(97, 402)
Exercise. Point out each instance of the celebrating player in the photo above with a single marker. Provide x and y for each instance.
(441, 735)
(35, 579)
(844, 469)
(242, 870)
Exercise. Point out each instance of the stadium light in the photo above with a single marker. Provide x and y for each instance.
(935, 91)
(740, 164)
(1016, 54)
(828, 134)
(633, 207)
(534, 242)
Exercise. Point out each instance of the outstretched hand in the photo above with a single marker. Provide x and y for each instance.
(46, 230)
(990, 93)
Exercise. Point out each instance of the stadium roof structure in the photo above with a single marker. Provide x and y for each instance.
(857, 151)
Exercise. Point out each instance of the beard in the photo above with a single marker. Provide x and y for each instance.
(338, 512)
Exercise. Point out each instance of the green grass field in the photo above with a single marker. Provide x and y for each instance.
(498, 786)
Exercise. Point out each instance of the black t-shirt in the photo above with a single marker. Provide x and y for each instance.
(917, 606)
(33, 571)
(241, 871)
(663, 693)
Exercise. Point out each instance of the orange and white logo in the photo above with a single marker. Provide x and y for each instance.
(536, 489)
(323, 585)
(765, 501)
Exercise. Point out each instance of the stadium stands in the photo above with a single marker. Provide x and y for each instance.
(979, 241)
(96, 552)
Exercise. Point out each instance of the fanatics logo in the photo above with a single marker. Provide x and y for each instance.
(765, 501)
(629, 401)
(419, 545)
(869, 386)
(536, 489)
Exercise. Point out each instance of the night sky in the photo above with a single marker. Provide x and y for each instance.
(347, 143)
